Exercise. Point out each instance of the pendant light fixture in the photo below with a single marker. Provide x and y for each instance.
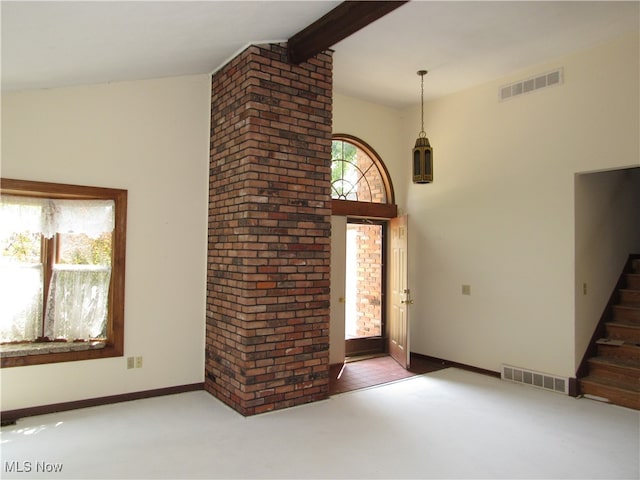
(422, 152)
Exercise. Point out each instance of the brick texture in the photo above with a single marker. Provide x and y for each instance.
(368, 279)
(267, 333)
(371, 188)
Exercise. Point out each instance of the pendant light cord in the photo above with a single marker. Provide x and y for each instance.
(422, 73)
(422, 101)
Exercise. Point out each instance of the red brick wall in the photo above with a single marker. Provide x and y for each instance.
(368, 245)
(267, 338)
(373, 189)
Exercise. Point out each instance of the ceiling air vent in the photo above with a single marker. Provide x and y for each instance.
(528, 85)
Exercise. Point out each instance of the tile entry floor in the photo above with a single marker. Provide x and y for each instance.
(363, 372)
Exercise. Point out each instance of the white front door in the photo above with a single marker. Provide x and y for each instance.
(400, 296)
(338, 261)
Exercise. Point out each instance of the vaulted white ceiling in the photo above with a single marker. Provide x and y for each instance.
(52, 44)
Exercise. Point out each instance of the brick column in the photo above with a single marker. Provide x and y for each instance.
(267, 338)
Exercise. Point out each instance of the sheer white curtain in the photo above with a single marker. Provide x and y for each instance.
(21, 282)
(77, 302)
(20, 302)
(50, 216)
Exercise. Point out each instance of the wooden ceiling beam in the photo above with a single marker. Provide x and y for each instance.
(341, 22)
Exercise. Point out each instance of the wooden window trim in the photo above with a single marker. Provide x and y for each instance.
(115, 321)
(352, 208)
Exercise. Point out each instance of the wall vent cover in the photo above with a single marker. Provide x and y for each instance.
(535, 379)
(543, 80)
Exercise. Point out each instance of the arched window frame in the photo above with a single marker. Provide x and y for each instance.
(367, 209)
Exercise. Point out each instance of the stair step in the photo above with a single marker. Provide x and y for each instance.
(627, 351)
(614, 374)
(627, 331)
(623, 370)
(629, 297)
(633, 281)
(618, 393)
(625, 312)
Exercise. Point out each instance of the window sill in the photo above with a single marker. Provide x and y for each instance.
(23, 354)
(21, 349)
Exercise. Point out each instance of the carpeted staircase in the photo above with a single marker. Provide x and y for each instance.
(612, 372)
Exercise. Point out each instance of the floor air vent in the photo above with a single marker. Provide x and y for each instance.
(535, 379)
(537, 82)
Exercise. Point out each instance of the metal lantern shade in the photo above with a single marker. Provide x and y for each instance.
(422, 152)
(422, 161)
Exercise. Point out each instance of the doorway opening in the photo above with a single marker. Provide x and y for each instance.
(365, 287)
(363, 199)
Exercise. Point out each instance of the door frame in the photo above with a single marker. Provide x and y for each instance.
(374, 344)
(380, 212)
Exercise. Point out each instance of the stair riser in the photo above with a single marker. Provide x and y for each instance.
(629, 335)
(630, 297)
(614, 372)
(627, 314)
(626, 352)
(625, 399)
(633, 282)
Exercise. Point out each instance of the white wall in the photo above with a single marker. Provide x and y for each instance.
(151, 138)
(607, 226)
(500, 213)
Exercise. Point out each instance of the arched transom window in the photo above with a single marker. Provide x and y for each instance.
(357, 173)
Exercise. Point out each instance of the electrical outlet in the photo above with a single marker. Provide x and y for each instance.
(130, 363)
(138, 362)
(466, 289)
